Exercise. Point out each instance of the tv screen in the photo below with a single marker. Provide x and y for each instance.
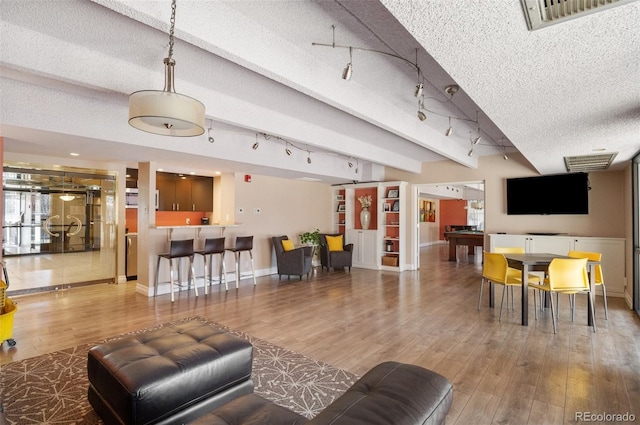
(553, 194)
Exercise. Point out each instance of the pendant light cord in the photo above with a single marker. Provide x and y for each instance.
(173, 24)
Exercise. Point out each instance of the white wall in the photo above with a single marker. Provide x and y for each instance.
(606, 216)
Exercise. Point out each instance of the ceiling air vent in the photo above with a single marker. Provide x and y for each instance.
(587, 163)
(542, 13)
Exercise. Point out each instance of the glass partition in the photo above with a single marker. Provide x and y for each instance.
(58, 228)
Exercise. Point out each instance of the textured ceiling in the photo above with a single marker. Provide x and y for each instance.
(66, 70)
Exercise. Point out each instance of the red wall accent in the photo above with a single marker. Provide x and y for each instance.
(373, 209)
(452, 211)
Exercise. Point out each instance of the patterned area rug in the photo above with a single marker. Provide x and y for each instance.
(52, 388)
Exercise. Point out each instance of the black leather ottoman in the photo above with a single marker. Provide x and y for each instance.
(170, 375)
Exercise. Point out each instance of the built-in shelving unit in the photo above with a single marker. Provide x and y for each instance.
(382, 244)
(391, 218)
(339, 211)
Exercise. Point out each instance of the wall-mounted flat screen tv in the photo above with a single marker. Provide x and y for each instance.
(552, 194)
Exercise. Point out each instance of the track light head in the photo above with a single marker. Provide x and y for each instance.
(449, 130)
(210, 137)
(477, 140)
(346, 74)
(288, 151)
(350, 164)
(505, 156)
(452, 89)
(308, 160)
(255, 146)
(422, 116)
(419, 89)
(470, 152)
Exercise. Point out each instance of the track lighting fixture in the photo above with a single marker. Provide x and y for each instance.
(421, 115)
(210, 137)
(449, 130)
(346, 74)
(308, 157)
(166, 112)
(505, 156)
(287, 150)
(350, 164)
(255, 145)
(478, 137)
(419, 89)
(470, 152)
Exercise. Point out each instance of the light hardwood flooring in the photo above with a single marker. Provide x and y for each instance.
(502, 372)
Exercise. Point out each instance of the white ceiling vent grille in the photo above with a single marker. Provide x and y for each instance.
(542, 13)
(587, 163)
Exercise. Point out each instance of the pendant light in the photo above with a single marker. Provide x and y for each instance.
(166, 112)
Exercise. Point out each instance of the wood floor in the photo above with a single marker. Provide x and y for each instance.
(502, 372)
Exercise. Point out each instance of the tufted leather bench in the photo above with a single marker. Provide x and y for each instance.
(171, 375)
(389, 394)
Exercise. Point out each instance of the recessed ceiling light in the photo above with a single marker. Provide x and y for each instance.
(217, 173)
(74, 154)
(193, 173)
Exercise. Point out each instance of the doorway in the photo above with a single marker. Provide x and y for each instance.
(58, 228)
(466, 198)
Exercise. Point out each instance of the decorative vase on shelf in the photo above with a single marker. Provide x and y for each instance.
(365, 218)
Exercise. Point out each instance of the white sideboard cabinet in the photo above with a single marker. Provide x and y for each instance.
(612, 249)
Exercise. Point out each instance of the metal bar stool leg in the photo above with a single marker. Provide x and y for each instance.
(171, 277)
(237, 255)
(207, 266)
(192, 274)
(223, 272)
(253, 271)
(155, 287)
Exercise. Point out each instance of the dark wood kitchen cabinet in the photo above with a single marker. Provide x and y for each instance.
(184, 192)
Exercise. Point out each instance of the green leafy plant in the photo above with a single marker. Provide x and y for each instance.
(310, 237)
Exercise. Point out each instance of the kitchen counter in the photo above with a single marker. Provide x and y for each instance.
(197, 227)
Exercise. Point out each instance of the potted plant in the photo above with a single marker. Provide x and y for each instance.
(310, 238)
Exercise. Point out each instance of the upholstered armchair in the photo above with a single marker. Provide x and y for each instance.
(290, 260)
(334, 252)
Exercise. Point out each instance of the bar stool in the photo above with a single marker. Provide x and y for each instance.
(213, 247)
(243, 244)
(178, 249)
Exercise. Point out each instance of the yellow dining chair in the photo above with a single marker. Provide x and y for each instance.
(495, 270)
(566, 276)
(599, 280)
(515, 250)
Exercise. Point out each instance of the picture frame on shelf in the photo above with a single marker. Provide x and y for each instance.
(387, 207)
(393, 193)
(339, 197)
(396, 206)
(342, 208)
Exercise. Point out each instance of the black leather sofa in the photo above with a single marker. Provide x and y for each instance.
(389, 394)
(195, 373)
